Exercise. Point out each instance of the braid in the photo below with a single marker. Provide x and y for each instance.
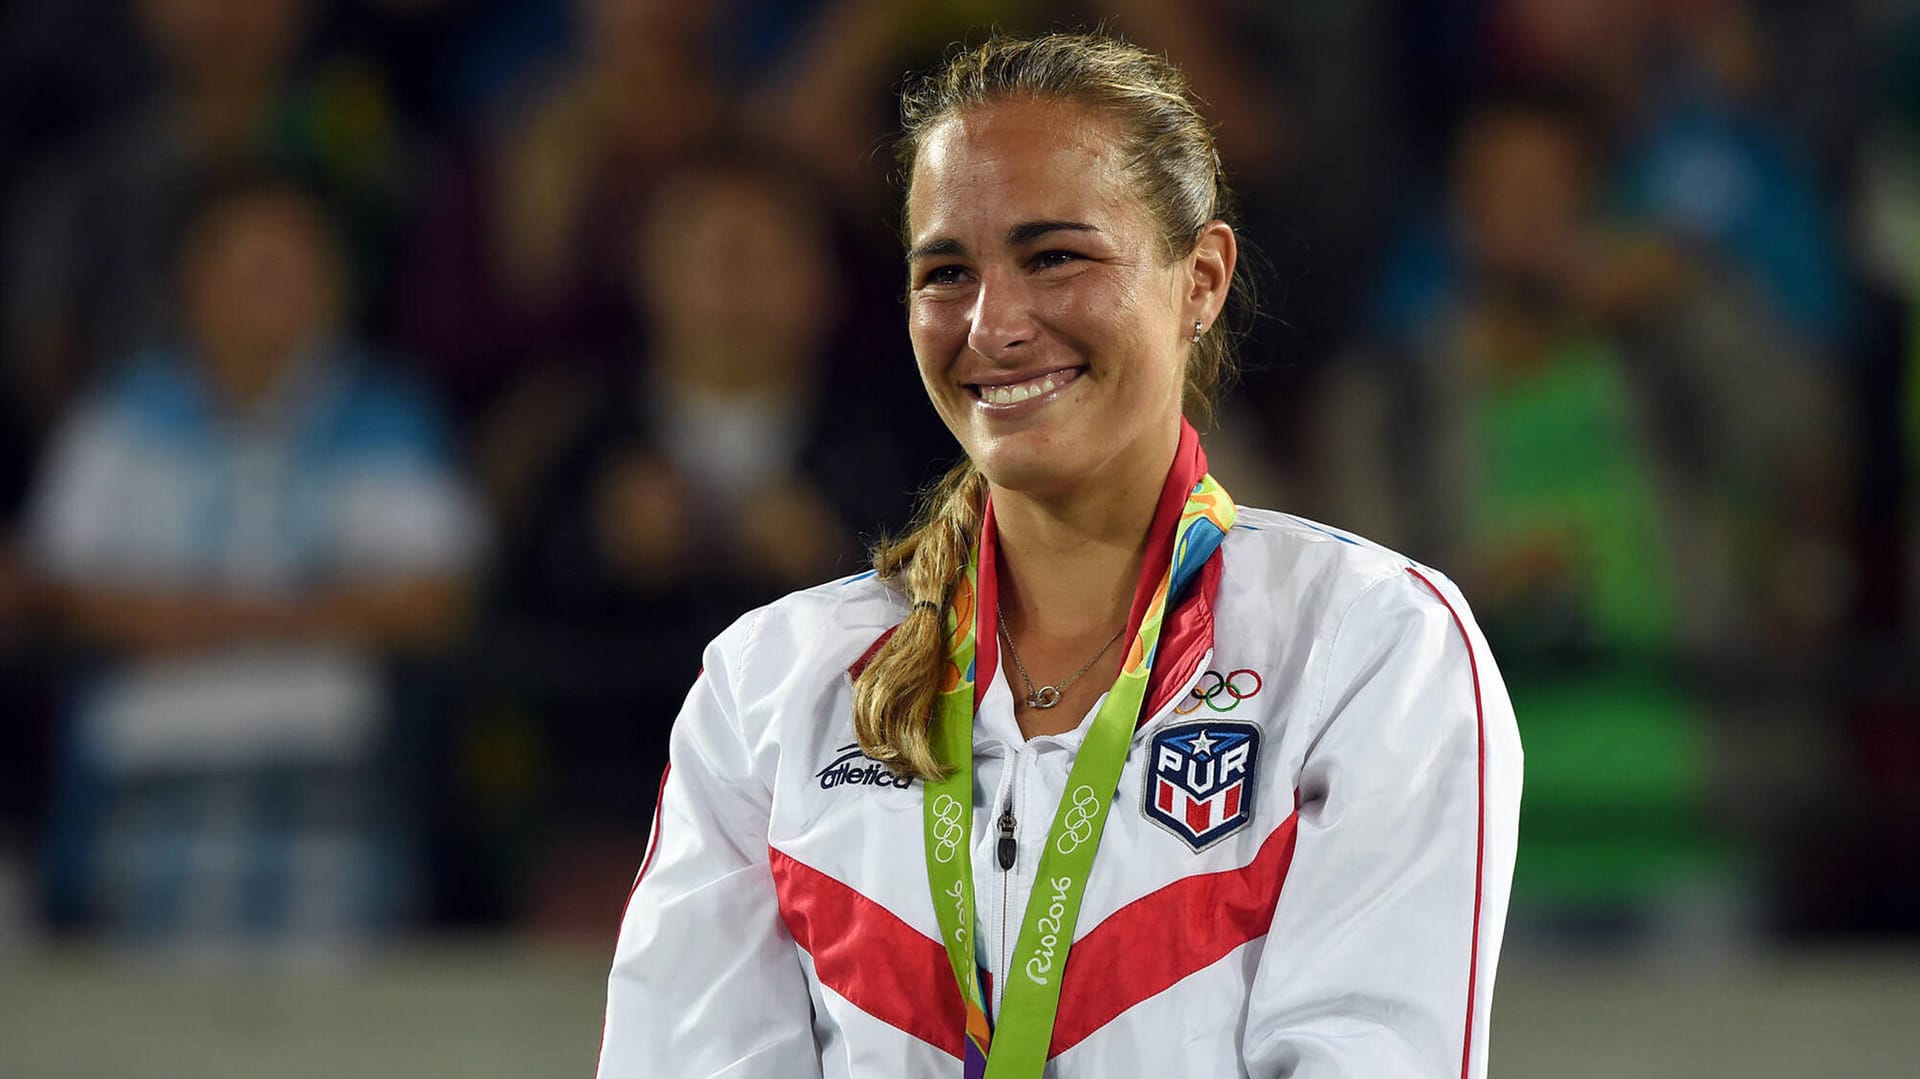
(893, 697)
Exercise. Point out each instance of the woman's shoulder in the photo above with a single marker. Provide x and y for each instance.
(1338, 610)
(1314, 572)
(814, 634)
(1306, 545)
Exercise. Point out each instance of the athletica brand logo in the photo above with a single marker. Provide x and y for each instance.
(847, 771)
(1221, 692)
(1200, 780)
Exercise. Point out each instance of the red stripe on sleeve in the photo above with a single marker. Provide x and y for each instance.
(1480, 839)
(864, 952)
(1143, 948)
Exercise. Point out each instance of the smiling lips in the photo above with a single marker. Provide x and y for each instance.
(1003, 395)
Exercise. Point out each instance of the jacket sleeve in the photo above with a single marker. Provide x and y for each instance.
(1380, 958)
(706, 981)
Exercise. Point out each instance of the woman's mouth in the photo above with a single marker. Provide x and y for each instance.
(1012, 394)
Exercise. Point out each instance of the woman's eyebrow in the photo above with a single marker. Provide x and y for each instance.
(1023, 233)
(1028, 231)
(936, 247)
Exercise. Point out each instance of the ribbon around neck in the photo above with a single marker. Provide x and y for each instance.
(1016, 1048)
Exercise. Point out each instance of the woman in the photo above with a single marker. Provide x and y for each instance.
(1288, 747)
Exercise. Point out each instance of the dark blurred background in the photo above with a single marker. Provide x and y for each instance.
(396, 394)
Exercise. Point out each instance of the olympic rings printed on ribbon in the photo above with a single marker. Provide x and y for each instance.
(1078, 821)
(946, 828)
(1232, 686)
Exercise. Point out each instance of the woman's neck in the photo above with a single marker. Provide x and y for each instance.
(1068, 563)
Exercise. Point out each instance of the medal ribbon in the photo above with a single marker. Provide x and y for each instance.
(1017, 1048)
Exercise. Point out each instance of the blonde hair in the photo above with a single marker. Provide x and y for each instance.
(1176, 173)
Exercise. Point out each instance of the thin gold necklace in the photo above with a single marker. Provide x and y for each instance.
(1048, 696)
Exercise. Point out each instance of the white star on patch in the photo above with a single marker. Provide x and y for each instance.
(1202, 745)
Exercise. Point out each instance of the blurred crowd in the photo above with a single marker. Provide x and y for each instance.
(395, 395)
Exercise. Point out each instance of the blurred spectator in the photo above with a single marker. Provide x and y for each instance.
(1887, 222)
(87, 233)
(522, 260)
(240, 526)
(730, 462)
(1597, 437)
(1681, 150)
(1858, 868)
(1888, 213)
(1675, 82)
(1808, 80)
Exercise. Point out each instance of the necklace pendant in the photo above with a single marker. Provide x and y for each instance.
(1044, 697)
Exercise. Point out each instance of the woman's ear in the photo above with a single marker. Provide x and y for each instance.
(1210, 268)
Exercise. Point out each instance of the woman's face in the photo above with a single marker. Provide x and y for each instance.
(1050, 330)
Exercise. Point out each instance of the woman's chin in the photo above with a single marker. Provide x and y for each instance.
(1039, 471)
(1054, 459)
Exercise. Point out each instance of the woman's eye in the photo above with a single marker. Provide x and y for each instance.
(1049, 259)
(942, 275)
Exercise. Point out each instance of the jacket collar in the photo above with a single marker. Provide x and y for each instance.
(1187, 631)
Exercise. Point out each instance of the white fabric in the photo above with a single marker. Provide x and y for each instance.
(1370, 716)
(237, 708)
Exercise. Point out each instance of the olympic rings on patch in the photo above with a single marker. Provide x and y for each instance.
(1232, 686)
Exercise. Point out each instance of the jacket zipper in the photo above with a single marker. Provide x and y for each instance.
(1009, 847)
(1007, 857)
(1009, 850)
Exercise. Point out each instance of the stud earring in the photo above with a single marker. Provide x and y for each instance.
(1196, 331)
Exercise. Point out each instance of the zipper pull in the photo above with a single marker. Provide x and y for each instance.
(1008, 848)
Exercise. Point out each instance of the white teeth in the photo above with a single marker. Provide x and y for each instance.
(1013, 394)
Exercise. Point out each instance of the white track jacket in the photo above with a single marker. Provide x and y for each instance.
(1327, 904)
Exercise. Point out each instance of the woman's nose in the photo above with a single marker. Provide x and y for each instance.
(1002, 316)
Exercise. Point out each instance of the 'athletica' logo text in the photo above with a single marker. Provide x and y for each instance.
(845, 771)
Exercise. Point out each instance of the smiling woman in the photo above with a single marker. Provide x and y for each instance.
(1314, 886)
(1050, 288)
(1049, 309)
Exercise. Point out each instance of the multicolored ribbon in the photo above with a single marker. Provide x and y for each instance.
(1017, 1047)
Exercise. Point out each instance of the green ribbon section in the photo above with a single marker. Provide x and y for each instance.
(1031, 997)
